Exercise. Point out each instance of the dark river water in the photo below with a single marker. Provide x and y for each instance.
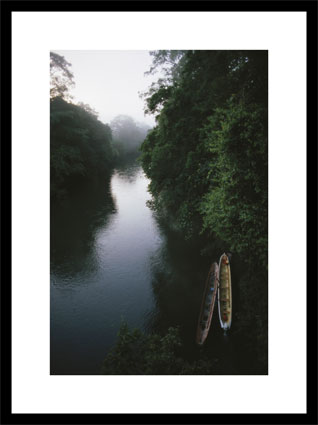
(112, 260)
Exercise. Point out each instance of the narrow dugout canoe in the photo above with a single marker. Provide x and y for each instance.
(208, 302)
(225, 293)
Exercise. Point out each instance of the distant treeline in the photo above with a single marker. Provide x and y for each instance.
(127, 135)
(83, 149)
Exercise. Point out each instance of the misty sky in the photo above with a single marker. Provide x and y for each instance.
(109, 81)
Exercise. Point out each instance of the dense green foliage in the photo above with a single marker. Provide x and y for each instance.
(80, 146)
(207, 156)
(138, 354)
(207, 161)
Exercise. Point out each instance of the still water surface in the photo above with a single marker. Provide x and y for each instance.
(111, 260)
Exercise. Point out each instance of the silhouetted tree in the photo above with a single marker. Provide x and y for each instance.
(61, 77)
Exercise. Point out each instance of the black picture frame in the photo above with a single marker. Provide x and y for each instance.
(7, 7)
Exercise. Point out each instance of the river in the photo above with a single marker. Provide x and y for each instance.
(113, 261)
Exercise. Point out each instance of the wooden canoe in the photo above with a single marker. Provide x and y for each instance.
(207, 305)
(225, 293)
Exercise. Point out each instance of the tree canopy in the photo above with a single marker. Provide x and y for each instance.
(138, 354)
(207, 155)
(80, 146)
(62, 79)
(207, 159)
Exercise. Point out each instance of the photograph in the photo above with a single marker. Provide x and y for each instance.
(155, 185)
(158, 212)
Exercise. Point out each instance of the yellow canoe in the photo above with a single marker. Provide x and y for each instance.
(225, 293)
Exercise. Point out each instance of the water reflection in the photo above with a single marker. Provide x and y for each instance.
(178, 277)
(101, 243)
(128, 169)
(74, 224)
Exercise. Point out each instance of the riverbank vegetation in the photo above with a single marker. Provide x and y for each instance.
(207, 162)
(81, 149)
(136, 353)
(207, 156)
